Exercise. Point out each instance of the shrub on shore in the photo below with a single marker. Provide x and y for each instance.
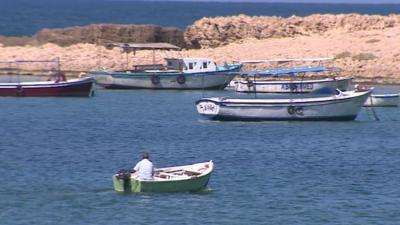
(370, 41)
(364, 56)
(342, 55)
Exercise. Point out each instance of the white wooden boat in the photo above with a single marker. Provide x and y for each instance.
(178, 73)
(341, 106)
(294, 84)
(383, 100)
(186, 178)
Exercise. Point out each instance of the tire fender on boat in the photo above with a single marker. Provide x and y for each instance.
(291, 110)
(181, 79)
(155, 79)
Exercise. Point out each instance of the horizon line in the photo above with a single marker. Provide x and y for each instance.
(362, 2)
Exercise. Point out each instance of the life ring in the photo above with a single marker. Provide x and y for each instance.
(155, 79)
(181, 79)
(291, 110)
(299, 110)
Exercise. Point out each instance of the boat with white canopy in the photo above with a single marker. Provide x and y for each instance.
(178, 73)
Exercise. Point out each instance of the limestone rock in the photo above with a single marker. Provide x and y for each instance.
(220, 31)
(98, 33)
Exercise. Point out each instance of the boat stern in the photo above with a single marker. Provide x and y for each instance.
(122, 182)
(102, 77)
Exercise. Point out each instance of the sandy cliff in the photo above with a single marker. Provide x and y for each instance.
(213, 32)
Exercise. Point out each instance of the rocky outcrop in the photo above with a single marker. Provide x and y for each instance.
(16, 41)
(99, 33)
(210, 32)
(219, 31)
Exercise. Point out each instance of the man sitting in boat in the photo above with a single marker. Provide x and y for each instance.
(56, 76)
(144, 169)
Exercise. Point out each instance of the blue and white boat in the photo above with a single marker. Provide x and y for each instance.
(341, 106)
(178, 73)
(295, 81)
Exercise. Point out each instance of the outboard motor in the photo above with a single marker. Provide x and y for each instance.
(125, 176)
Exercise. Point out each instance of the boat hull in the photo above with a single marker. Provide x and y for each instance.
(189, 184)
(196, 184)
(388, 100)
(205, 80)
(75, 88)
(296, 86)
(333, 108)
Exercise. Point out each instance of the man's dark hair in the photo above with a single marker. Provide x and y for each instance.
(146, 155)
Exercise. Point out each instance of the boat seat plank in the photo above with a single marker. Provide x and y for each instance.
(192, 172)
(171, 175)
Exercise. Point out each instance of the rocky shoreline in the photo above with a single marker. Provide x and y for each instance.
(365, 47)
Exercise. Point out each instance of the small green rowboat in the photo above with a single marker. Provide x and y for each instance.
(187, 178)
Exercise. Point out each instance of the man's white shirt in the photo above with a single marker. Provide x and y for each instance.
(144, 169)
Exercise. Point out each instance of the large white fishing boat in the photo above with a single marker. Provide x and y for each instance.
(178, 73)
(340, 106)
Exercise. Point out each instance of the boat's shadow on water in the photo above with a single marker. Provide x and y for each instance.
(217, 122)
(367, 115)
(109, 191)
(379, 114)
(206, 191)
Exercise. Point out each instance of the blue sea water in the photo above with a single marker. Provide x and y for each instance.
(57, 156)
(26, 17)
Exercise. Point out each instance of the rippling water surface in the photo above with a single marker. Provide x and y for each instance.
(58, 156)
(26, 17)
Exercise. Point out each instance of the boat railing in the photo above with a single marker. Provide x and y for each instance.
(143, 67)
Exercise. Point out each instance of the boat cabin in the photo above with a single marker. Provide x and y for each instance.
(191, 65)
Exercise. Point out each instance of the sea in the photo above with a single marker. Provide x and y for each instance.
(26, 17)
(57, 155)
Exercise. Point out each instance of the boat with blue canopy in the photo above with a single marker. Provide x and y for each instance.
(292, 80)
